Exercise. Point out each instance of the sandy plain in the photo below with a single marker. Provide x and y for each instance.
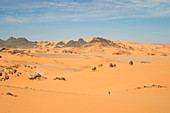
(143, 87)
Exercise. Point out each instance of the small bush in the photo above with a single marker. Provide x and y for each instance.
(94, 68)
(131, 62)
(111, 65)
(63, 78)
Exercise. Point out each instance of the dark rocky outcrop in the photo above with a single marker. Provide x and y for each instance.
(2, 43)
(81, 41)
(17, 43)
(36, 76)
(58, 78)
(3, 49)
(104, 42)
(60, 44)
(10, 94)
(73, 43)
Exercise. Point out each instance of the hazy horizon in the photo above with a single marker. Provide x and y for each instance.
(144, 21)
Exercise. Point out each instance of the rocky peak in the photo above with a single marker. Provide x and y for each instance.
(81, 41)
(11, 39)
(17, 43)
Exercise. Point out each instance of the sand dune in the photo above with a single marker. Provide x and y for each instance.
(42, 81)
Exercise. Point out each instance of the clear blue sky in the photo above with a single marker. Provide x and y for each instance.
(132, 20)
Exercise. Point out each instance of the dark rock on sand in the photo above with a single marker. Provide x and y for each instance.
(58, 78)
(36, 76)
(6, 77)
(94, 68)
(11, 94)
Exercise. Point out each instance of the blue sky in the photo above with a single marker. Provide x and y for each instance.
(145, 21)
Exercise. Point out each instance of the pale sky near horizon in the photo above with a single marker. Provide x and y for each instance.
(146, 21)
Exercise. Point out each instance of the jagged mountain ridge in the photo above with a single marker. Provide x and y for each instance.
(102, 42)
(17, 43)
(92, 45)
(24, 43)
(73, 43)
(114, 47)
(79, 43)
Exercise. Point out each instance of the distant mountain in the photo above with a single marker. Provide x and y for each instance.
(2, 43)
(92, 45)
(24, 43)
(73, 43)
(102, 42)
(17, 43)
(81, 41)
(60, 44)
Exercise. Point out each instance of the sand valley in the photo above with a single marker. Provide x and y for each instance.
(84, 76)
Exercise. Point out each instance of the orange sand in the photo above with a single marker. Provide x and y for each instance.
(86, 91)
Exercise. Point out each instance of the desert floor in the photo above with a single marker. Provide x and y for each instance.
(143, 87)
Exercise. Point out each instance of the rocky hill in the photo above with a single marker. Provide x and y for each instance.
(73, 43)
(102, 42)
(17, 43)
(97, 45)
(60, 44)
(101, 45)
